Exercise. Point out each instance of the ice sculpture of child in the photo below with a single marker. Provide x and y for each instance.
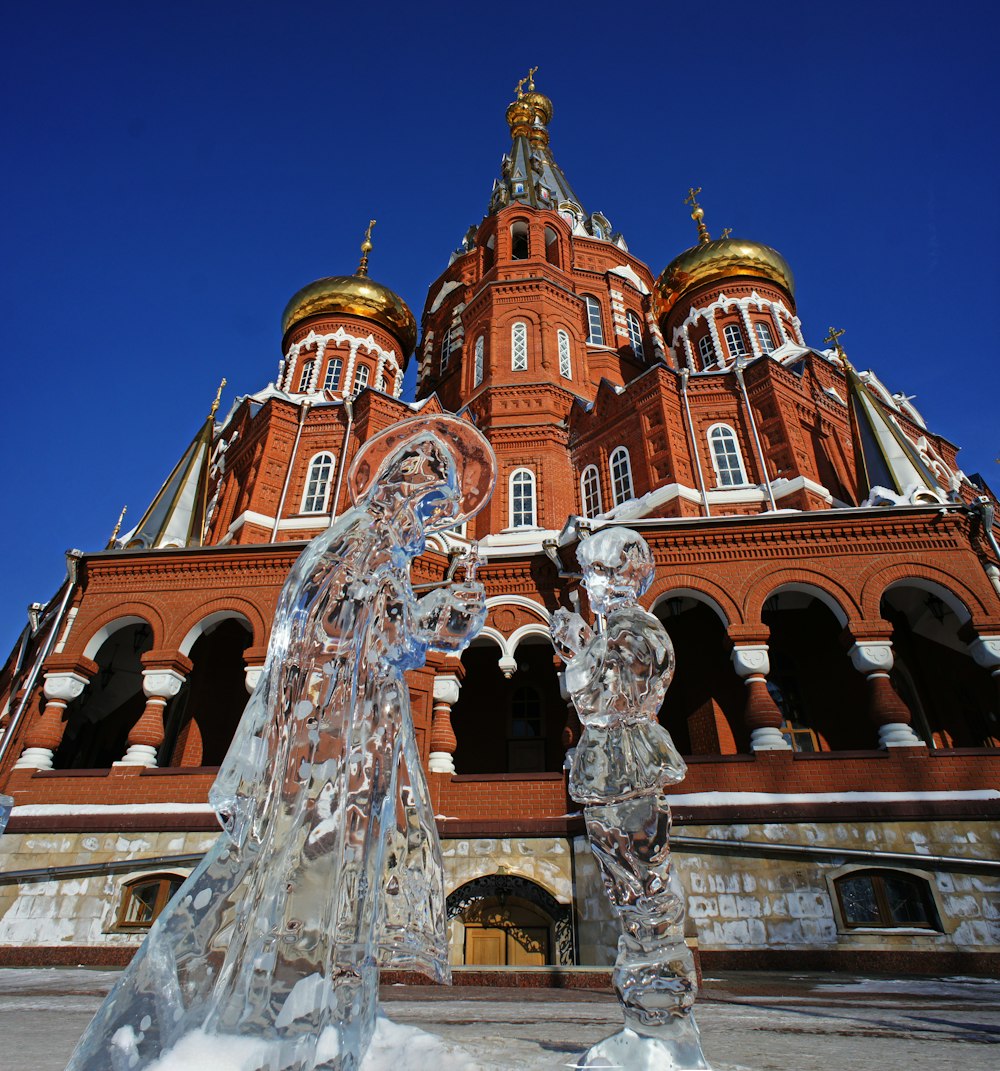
(617, 675)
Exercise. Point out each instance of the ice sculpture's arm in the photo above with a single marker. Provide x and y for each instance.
(570, 633)
(448, 618)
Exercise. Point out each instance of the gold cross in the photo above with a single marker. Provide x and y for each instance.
(833, 337)
(692, 197)
(531, 78)
(368, 233)
(727, 231)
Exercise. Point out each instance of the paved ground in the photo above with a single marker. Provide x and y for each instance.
(749, 1022)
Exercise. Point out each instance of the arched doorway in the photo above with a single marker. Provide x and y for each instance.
(98, 723)
(821, 696)
(951, 700)
(513, 721)
(506, 920)
(703, 707)
(202, 719)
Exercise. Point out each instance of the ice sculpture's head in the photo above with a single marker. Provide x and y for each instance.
(426, 473)
(617, 568)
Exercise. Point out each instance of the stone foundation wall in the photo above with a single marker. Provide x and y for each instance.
(742, 904)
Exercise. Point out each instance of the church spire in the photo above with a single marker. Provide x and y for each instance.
(529, 174)
(889, 469)
(176, 516)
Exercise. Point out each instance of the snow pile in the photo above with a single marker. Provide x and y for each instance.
(393, 1048)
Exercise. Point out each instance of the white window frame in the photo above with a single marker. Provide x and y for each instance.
(332, 383)
(319, 476)
(764, 337)
(305, 376)
(477, 375)
(594, 320)
(620, 467)
(565, 361)
(635, 334)
(706, 351)
(362, 376)
(523, 508)
(735, 341)
(446, 340)
(727, 475)
(590, 492)
(519, 347)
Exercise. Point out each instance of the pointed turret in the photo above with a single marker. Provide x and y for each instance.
(528, 173)
(176, 516)
(889, 468)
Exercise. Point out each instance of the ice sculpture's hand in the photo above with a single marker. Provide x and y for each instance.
(450, 617)
(570, 633)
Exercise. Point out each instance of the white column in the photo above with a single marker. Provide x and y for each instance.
(874, 659)
(446, 690)
(751, 334)
(60, 689)
(752, 665)
(159, 686)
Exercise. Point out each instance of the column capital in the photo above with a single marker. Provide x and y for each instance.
(64, 687)
(162, 683)
(252, 675)
(446, 688)
(871, 656)
(751, 660)
(986, 651)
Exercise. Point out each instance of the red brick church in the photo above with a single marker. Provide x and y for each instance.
(829, 577)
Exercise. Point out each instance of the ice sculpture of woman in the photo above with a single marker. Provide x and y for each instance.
(330, 858)
(617, 675)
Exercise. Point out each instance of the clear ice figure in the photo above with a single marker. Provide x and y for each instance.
(617, 675)
(329, 862)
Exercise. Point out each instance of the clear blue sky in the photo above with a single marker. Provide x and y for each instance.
(176, 171)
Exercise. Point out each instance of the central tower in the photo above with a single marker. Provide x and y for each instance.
(540, 303)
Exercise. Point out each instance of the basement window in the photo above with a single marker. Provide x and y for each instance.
(144, 899)
(886, 899)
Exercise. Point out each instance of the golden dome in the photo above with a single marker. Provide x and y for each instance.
(356, 295)
(722, 259)
(539, 104)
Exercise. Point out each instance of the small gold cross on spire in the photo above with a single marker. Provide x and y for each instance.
(833, 337)
(698, 215)
(118, 528)
(727, 231)
(366, 248)
(218, 398)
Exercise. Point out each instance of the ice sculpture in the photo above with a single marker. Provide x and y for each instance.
(329, 861)
(617, 674)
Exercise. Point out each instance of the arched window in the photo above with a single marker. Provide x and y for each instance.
(595, 329)
(306, 376)
(886, 898)
(332, 379)
(565, 364)
(551, 246)
(519, 347)
(706, 351)
(446, 347)
(764, 337)
(590, 491)
(477, 377)
(318, 484)
(519, 240)
(735, 341)
(361, 376)
(634, 333)
(621, 475)
(726, 456)
(144, 898)
(522, 499)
